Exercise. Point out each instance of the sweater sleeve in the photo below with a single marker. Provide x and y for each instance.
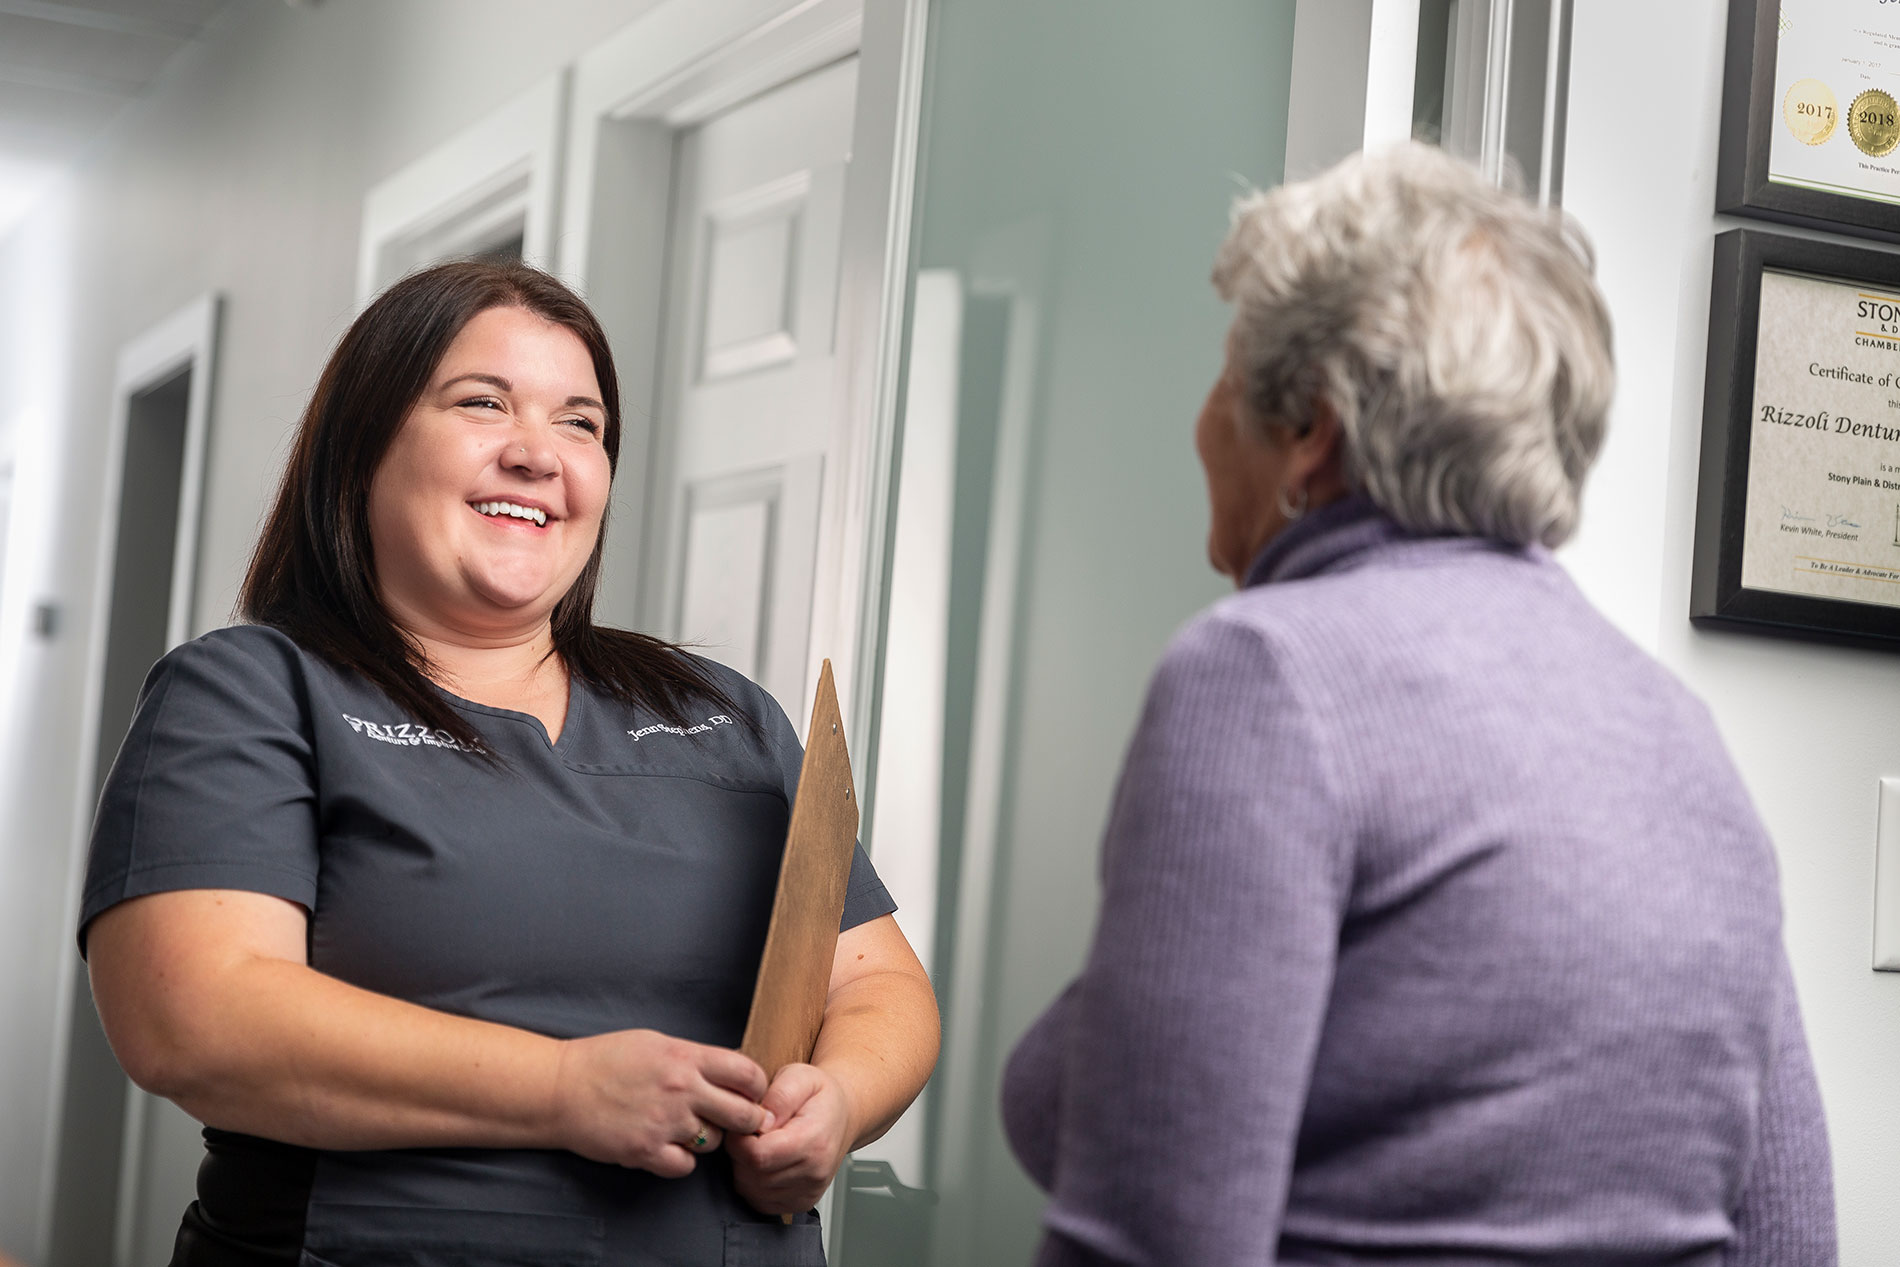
(1189, 1037)
(1032, 1091)
(1786, 1215)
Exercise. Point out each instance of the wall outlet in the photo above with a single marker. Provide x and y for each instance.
(1887, 880)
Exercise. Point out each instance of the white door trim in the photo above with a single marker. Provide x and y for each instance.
(501, 168)
(186, 338)
(1509, 60)
(1353, 63)
(680, 63)
(848, 609)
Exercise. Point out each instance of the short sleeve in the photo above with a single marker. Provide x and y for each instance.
(865, 897)
(214, 786)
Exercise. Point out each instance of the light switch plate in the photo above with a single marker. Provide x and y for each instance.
(1887, 880)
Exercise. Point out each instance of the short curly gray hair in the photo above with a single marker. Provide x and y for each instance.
(1453, 327)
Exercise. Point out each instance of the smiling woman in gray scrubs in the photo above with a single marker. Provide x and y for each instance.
(439, 905)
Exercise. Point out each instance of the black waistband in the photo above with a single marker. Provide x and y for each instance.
(252, 1197)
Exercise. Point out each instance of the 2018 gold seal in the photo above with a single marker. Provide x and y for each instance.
(1810, 111)
(1873, 123)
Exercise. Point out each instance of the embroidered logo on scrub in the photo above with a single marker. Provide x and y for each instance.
(407, 734)
(718, 719)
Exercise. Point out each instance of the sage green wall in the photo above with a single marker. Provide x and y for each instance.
(1082, 152)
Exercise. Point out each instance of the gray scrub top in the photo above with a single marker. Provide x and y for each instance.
(621, 878)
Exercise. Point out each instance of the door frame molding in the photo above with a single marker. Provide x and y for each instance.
(678, 64)
(187, 339)
(1354, 81)
(502, 166)
(851, 606)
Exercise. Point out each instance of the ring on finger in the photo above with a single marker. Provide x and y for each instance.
(698, 1142)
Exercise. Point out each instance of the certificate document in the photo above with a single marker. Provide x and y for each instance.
(1823, 503)
(1837, 92)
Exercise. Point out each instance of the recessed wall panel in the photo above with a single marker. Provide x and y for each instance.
(725, 580)
(753, 242)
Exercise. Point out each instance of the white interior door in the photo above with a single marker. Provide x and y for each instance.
(750, 388)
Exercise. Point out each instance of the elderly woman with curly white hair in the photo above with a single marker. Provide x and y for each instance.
(1437, 927)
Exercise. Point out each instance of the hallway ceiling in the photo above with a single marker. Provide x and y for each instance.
(67, 67)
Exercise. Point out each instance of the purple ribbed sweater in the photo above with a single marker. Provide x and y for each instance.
(1436, 928)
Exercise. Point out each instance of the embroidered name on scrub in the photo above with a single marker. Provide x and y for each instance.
(718, 719)
(407, 734)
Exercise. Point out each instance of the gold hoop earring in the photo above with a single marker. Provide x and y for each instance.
(1290, 509)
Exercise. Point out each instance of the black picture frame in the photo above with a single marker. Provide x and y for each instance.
(1749, 108)
(1717, 598)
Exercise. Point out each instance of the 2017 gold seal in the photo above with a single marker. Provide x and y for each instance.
(1873, 123)
(1810, 111)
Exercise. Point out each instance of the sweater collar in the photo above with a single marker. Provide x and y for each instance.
(1320, 541)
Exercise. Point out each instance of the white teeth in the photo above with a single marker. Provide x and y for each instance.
(538, 517)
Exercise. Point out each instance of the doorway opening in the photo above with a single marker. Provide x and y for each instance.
(125, 1163)
(94, 1112)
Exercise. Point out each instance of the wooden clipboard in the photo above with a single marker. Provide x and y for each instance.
(788, 1003)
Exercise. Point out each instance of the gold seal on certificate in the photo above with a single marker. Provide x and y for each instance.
(1836, 69)
(1810, 111)
(1873, 123)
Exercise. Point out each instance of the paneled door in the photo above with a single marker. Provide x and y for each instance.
(750, 386)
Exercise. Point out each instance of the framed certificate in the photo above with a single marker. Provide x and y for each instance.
(1798, 508)
(1811, 114)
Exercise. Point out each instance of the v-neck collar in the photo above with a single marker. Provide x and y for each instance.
(569, 719)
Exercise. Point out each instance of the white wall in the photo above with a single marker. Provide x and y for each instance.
(1813, 728)
(244, 173)
(34, 326)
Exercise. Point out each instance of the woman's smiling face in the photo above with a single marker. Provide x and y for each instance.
(489, 501)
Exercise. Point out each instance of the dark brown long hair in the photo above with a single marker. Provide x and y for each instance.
(313, 574)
